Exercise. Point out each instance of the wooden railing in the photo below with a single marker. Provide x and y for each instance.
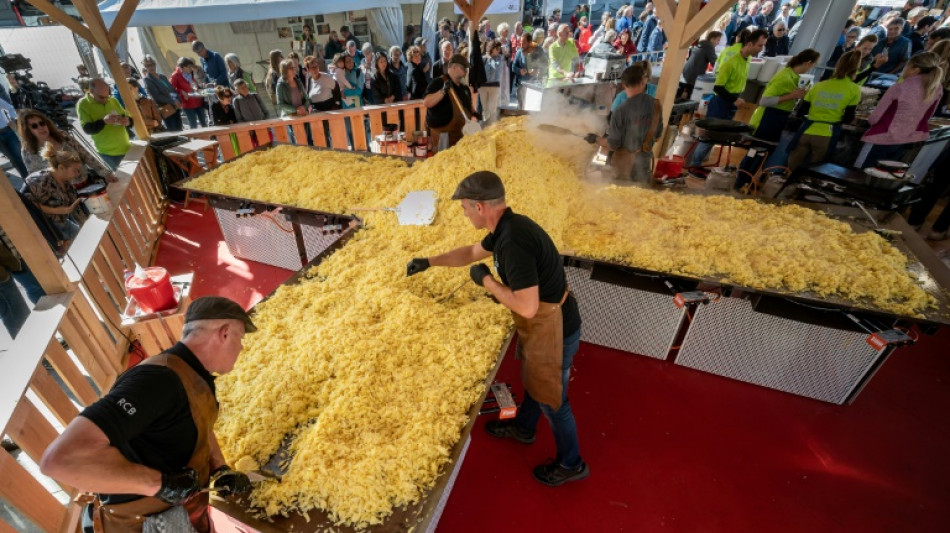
(347, 129)
(76, 329)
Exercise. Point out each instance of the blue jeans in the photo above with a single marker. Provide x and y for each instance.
(10, 146)
(13, 308)
(718, 108)
(29, 283)
(196, 115)
(112, 160)
(173, 123)
(561, 421)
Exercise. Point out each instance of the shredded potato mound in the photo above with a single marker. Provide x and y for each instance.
(375, 378)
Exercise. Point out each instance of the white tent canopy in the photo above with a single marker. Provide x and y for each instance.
(173, 12)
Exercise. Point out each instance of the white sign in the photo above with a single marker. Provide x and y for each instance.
(897, 4)
(499, 7)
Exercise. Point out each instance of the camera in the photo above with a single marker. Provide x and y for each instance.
(36, 95)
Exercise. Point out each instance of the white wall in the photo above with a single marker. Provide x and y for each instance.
(51, 49)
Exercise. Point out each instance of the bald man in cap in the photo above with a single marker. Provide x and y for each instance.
(147, 447)
(533, 287)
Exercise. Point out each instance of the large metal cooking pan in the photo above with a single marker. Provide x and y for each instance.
(718, 130)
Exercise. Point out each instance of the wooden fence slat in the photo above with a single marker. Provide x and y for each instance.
(300, 133)
(154, 178)
(409, 120)
(96, 331)
(120, 247)
(128, 237)
(28, 496)
(245, 143)
(30, 429)
(146, 335)
(152, 197)
(375, 122)
(318, 133)
(338, 134)
(71, 517)
(280, 134)
(104, 303)
(67, 370)
(227, 151)
(111, 276)
(86, 355)
(138, 220)
(53, 397)
(262, 133)
(146, 201)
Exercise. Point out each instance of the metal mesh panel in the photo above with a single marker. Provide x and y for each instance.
(315, 240)
(729, 338)
(622, 318)
(258, 238)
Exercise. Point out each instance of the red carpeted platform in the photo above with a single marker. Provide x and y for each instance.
(675, 450)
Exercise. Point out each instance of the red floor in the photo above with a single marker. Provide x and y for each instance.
(675, 450)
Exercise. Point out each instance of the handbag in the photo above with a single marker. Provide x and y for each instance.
(167, 110)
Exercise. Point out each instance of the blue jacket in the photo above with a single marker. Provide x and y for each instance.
(647, 33)
(215, 68)
(657, 40)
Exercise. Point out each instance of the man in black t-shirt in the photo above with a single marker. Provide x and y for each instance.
(447, 113)
(534, 287)
(140, 447)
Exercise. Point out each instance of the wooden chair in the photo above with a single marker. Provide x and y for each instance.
(186, 157)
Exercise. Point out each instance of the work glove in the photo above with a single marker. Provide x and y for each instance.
(178, 486)
(478, 272)
(417, 265)
(227, 481)
(591, 138)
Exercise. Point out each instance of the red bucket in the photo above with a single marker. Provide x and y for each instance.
(153, 290)
(668, 167)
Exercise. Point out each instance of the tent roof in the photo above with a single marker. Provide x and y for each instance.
(172, 12)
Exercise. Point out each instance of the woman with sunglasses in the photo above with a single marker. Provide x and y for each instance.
(36, 130)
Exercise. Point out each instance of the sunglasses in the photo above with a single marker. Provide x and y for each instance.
(37, 125)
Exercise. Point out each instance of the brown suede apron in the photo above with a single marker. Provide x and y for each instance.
(129, 517)
(541, 350)
(624, 160)
(454, 127)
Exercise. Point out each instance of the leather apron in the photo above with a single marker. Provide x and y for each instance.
(454, 127)
(128, 517)
(623, 161)
(541, 350)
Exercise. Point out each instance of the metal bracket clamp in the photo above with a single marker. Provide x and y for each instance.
(683, 298)
(880, 338)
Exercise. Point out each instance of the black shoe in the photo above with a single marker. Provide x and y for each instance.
(506, 429)
(553, 474)
(8, 445)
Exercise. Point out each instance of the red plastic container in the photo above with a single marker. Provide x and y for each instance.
(153, 292)
(668, 167)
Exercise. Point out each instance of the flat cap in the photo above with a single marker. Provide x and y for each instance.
(216, 307)
(480, 186)
(460, 60)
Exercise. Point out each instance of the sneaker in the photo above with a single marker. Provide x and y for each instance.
(937, 236)
(506, 429)
(553, 474)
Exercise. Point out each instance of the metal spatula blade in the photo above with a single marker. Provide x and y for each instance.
(417, 208)
(557, 130)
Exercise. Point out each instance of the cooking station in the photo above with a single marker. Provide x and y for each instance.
(835, 184)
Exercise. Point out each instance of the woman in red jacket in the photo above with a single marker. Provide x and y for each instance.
(184, 82)
(582, 37)
(624, 45)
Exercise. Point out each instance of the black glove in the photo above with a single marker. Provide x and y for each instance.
(178, 486)
(417, 265)
(478, 272)
(229, 481)
(478, 116)
(591, 138)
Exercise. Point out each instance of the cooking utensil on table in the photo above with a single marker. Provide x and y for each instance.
(888, 234)
(416, 209)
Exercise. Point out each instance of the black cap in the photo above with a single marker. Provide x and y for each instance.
(216, 307)
(480, 186)
(459, 59)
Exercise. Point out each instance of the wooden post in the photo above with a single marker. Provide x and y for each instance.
(687, 23)
(26, 237)
(102, 38)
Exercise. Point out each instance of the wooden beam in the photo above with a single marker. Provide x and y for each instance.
(465, 8)
(673, 61)
(666, 10)
(121, 21)
(29, 241)
(703, 20)
(63, 18)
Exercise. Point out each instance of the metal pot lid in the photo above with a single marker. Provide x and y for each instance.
(892, 165)
(90, 190)
(723, 125)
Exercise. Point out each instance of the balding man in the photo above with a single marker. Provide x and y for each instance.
(563, 53)
(148, 447)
